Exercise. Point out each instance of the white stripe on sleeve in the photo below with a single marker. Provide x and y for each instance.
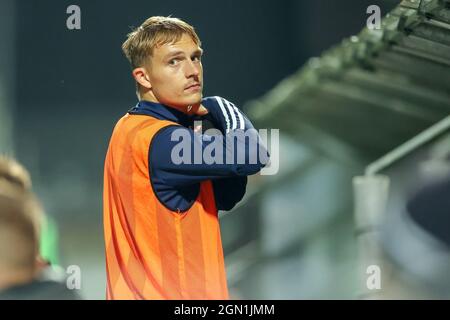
(241, 118)
(233, 114)
(224, 112)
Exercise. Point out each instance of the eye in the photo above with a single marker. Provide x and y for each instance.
(173, 62)
(197, 58)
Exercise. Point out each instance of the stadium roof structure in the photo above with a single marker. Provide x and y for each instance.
(373, 91)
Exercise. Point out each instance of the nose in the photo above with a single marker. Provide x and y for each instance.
(192, 69)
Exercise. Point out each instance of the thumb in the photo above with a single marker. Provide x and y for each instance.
(199, 110)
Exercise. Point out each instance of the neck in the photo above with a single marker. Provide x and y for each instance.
(148, 96)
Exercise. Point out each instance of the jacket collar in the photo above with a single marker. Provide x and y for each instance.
(161, 112)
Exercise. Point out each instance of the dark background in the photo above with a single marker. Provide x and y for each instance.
(69, 87)
(73, 85)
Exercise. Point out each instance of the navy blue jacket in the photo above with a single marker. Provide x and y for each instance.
(178, 185)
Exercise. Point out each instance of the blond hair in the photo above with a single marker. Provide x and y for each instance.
(154, 32)
(14, 172)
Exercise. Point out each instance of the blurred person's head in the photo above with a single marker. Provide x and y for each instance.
(18, 236)
(12, 172)
(165, 56)
(416, 243)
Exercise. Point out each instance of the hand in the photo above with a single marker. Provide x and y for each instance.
(198, 110)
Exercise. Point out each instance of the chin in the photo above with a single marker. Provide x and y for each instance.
(186, 100)
(194, 99)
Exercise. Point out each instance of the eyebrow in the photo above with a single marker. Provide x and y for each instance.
(179, 52)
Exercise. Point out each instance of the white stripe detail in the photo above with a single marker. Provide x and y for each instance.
(233, 114)
(241, 118)
(227, 120)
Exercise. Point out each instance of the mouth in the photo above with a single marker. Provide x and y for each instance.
(194, 87)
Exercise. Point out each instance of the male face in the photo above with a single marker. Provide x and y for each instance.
(175, 73)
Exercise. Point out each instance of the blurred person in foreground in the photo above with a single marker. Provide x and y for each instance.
(23, 273)
(16, 174)
(417, 240)
(161, 200)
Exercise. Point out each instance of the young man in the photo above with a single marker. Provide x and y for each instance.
(161, 225)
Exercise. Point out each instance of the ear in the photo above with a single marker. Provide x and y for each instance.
(141, 77)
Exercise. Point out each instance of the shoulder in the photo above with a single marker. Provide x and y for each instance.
(216, 100)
